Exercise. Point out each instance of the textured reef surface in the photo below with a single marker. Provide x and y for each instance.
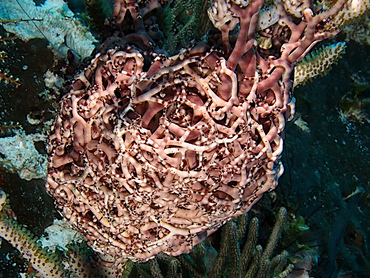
(323, 230)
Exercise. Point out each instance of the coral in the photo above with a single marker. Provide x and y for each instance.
(181, 22)
(359, 30)
(53, 21)
(19, 155)
(348, 11)
(25, 242)
(301, 124)
(237, 255)
(96, 12)
(74, 261)
(152, 154)
(353, 104)
(59, 235)
(7, 129)
(317, 63)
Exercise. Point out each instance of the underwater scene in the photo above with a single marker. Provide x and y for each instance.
(185, 138)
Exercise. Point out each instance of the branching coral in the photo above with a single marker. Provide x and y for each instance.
(181, 22)
(47, 262)
(152, 154)
(238, 255)
(25, 241)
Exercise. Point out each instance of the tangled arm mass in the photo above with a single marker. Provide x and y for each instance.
(149, 159)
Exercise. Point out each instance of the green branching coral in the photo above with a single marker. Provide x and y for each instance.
(182, 21)
(238, 255)
(97, 11)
